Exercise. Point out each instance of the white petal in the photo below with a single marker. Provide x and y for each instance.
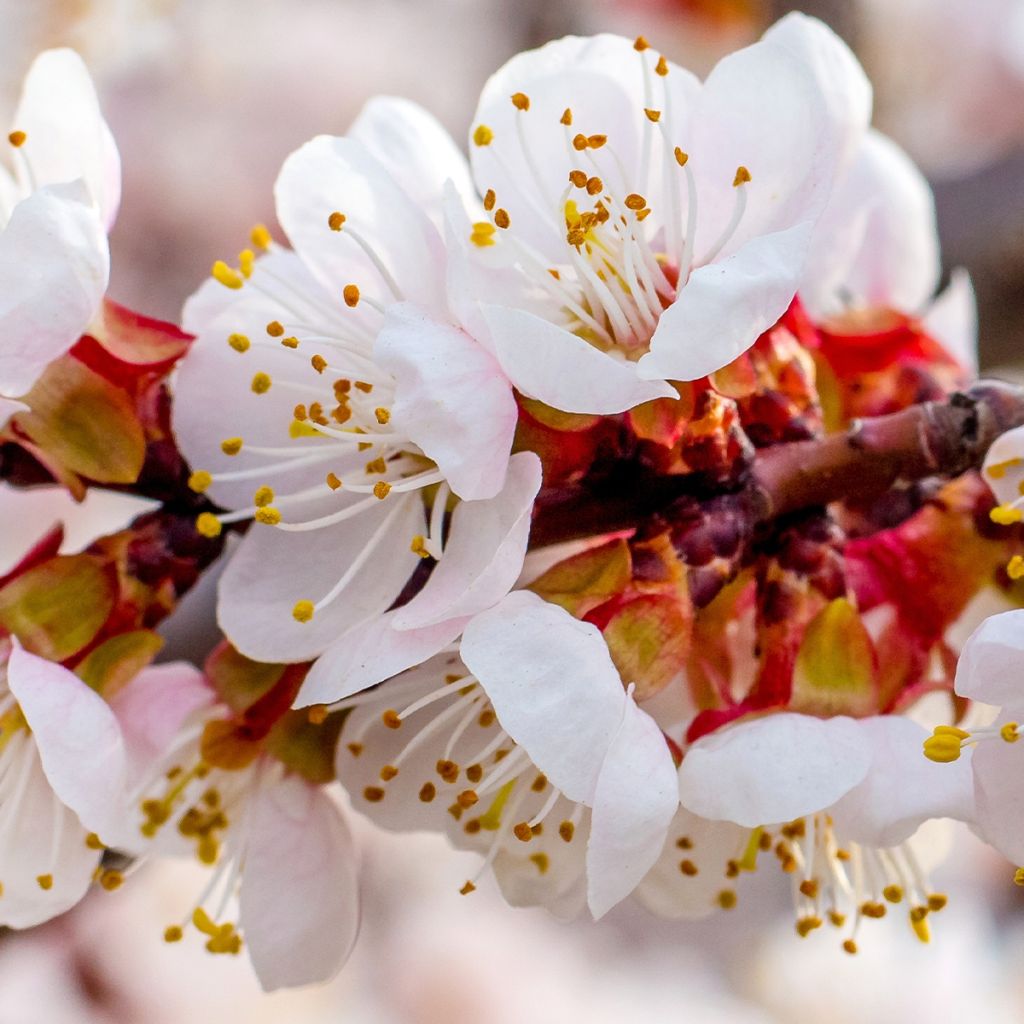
(902, 789)
(952, 320)
(636, 798)
(78, 737)
(54, 265)
(726, 306)
(273, 569)
(548, 363)
(329, 174)
(299, 900)
(990, 664)
(773, 769)
(67, 136)
(484, 553)
(416, 150)
(553, 686)
(451, 398)
(999, 796)
(28, 851)
(840, 78)
(762, 108)
(877, 241)
(371, 653)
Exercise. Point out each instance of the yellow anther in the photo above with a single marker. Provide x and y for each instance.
(373, 794)
(17, 139)
(661, 68)
(920, 926)
(520, 101)
(333, 481)
(427, 792)
(199, 481)
(482, 135)
(45, 882)
(806, 925)
(208, 525)
(1015, 568)
(501, 218)
(809, 888)
(391, 719)
(448, 770)
(246, 262)
(742, 177)
(681, 157)
(93, 842)
(467, 798)
(111, 880)
(388, 772)
(467, 889)
(239, 342)
(350, 293)
(893, 893)
(1006, 515)
(578, 178)
(173, 933)
(303, 611)
(640, 44)
(318, 363)
(336, 221)
(300, 413)
(849, 946)
(726, 899)
(377, 465)
(290, 342)
(596, 141)
(594, 186)
(1009, 732)
(836, 919)
(260, 237)
(383, 415)
(227, 276)
(269, 516)
(523, 832)
(355, 749)
(998, 469)
(317, 714)
(635, 201)
(943, 746)
(264, 496)
(688, 868)
(566, 830)
(482, 234)
(261, 383)
(275, 328)
(231, 445)
(542, 862)
(566, 117)
(937, 901)
(365, 386)
(419, 546)
(653, 115)
(381, 489)
(580, 142)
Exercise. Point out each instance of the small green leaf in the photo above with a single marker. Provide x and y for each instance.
(118, 660)
(649, 640)
(588, 579)
(239, 680)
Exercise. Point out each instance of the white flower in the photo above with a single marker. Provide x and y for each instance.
(330, 430)
(62, 772)
(55, 210)
(1003, 471)
(836, 799)
(277, 845)
(989, 671)
(528, 749)
(667, 221)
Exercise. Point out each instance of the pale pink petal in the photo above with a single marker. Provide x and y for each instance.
(299, 899)
(553, 686)
(952, 320)
(902, 789)
(451, 399)
(636, 798)
(79, 740)
(329, 175)
(370, 653)
(999, 795)
(552, 365)
(67, 138)
(484, 553)
(773, 769)
(726, 306)
(273, 569)
(54, 265)
(416, 150)
(990, 664)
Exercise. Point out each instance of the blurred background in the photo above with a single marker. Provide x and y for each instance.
(206, 98)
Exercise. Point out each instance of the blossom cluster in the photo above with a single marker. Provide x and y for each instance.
(558, 505)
